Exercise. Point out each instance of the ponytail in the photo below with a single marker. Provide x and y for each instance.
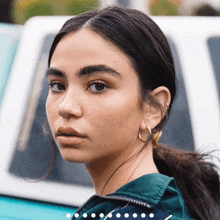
(197, 179)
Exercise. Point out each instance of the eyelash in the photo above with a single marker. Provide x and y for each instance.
(55, 83)
(98, 83)
(94, 83)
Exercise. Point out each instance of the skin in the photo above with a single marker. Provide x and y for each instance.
(104, 106)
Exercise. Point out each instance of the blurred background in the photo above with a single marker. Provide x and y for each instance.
(18, 11)
(28, 155)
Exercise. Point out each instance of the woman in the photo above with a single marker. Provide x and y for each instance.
(112, 85)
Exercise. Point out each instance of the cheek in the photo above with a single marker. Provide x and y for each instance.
(118, 118)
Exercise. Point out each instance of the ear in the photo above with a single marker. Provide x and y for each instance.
(152, 115)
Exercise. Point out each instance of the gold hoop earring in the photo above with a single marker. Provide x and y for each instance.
(145, 136)
(156, 139)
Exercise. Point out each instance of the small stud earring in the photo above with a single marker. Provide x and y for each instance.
(166, 104)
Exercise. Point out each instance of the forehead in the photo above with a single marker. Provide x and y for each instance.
(88, 46)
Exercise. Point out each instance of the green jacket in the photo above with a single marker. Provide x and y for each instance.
(153, 196)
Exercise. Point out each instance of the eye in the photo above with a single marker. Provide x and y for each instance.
(57, 87)
(98, 87)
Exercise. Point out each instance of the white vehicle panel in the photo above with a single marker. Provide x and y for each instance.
(190, 37)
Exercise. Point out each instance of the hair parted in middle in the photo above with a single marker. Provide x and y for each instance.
(137, 36)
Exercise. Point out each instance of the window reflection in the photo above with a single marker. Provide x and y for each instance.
(214, 51)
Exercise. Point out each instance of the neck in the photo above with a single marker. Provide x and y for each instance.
(110, 174)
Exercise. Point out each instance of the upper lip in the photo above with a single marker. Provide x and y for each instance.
(68, 131)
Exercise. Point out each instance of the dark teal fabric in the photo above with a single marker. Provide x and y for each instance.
(160, 192)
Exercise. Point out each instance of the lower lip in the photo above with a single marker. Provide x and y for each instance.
(70, 140)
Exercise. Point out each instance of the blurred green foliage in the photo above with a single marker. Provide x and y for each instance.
(24, 9)
(164, 7)
(77, 7)
(38, 8)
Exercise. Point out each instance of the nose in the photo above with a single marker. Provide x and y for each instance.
(70, 106)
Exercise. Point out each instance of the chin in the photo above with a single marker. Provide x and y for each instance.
(73, 156)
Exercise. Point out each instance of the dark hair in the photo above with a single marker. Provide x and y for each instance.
(144, 43)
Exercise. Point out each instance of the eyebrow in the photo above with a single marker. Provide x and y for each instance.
(55, 72)
(93, 69)
(85, 71)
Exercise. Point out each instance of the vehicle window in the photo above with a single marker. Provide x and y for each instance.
(214, 51)
(34, 152)
(178, 131)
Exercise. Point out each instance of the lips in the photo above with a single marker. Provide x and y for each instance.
(69, 136)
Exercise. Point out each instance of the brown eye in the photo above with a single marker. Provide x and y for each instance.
(98, 87)
(57, 87)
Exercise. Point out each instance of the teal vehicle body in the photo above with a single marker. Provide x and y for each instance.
(9, 38)
(20, 209)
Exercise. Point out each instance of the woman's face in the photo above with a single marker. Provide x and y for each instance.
(94, 107)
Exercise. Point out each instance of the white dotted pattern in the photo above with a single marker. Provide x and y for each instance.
(68, 215)
(143, 215)
(118, 215)
(135, 215)
(110, 215)
(151, 215)
(126, 215)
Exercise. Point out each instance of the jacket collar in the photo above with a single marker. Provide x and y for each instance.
(149, 188)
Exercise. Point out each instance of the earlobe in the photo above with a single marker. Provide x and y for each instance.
(143, 125)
